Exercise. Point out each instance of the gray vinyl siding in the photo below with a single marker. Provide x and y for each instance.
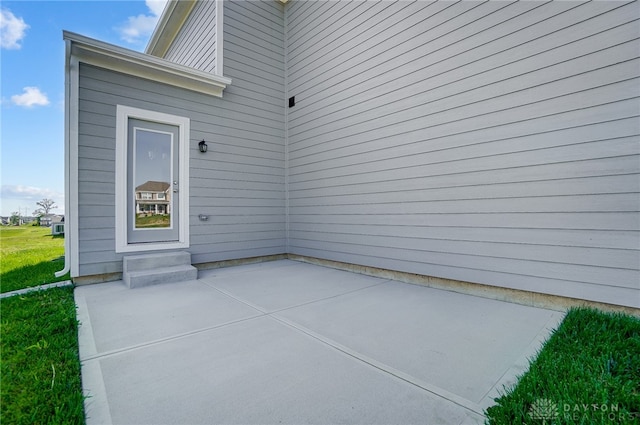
(487, 142)
(195, 44)
(238, 183)
(252, 222)
(495, 142)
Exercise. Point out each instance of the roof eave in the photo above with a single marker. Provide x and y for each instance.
(173, 17)
(115, 58)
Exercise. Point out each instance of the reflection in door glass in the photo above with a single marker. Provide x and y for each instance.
(152, 167)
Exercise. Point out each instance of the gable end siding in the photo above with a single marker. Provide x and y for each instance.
(494, 142)
(195, 44)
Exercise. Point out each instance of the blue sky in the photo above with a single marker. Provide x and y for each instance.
(32, 86)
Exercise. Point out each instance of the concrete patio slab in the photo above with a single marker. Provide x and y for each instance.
(289, 342)
(123, 317)
(298, 284)
(456, 342)
(260, 372)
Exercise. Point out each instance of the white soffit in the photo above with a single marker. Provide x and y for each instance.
(171, 21)
(115, 58)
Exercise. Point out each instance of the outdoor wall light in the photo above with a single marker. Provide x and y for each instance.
(202, 146)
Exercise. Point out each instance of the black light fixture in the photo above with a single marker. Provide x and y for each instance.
(202, 146)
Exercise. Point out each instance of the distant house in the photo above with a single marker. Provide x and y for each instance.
(153, 198)
(49, 220)
(57, 225)
(490, 143)
(46, 220)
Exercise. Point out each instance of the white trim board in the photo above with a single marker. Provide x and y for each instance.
(173, 18)
(123, 113)
(108, 56)
(219, 37)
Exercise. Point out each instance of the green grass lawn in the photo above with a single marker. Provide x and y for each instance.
(39, 365)
(30, 256)
(40, 379)
(588, 372)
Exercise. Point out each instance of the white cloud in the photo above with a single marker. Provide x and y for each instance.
(138, 28)
(156, 6)
(29, 192)
(12, 30)
(32, 96)
(25, 197)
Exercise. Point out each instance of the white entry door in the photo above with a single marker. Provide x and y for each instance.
(152, 180)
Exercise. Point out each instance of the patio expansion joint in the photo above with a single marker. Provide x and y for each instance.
(94, 354)
(135, 347)
(433, 389)
(270, 312)
(386, 369)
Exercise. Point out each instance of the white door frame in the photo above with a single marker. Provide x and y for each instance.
(123, 114)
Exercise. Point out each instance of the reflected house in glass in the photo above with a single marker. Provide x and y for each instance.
(153, 198)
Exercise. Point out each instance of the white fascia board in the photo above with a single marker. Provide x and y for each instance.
(171, 21)
(115, 58)
(219, 37)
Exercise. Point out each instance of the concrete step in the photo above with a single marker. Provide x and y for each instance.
(142, 278)
(132, 263)
(150, 269)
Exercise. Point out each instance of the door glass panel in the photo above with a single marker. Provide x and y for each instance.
(153, 190)
(152, 169)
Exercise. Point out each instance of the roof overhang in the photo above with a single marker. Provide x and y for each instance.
(173, 17)
(115, 58)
